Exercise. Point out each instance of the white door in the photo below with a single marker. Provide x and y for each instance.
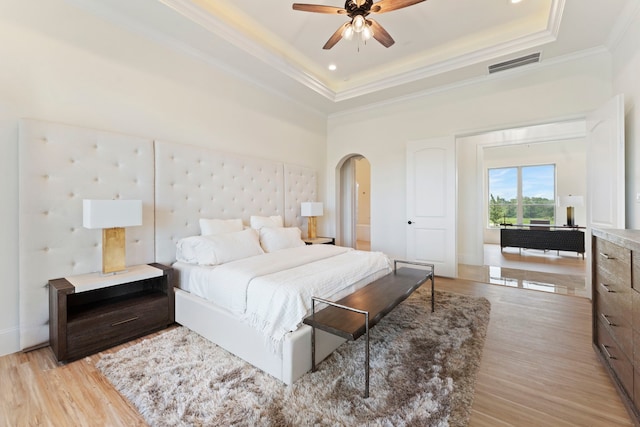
(431, 204)
(605, 166)
(605, 171)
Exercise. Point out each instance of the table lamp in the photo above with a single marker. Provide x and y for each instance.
(570, 201)
(112, 216)
(311, 210)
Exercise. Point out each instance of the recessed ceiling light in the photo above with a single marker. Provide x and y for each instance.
(515, 1)
(332, 67)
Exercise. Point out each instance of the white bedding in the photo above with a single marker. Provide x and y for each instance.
(272, 292)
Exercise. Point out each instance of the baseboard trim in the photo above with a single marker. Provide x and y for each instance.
(470, 259)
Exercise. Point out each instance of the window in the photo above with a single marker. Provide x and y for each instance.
(521, 193)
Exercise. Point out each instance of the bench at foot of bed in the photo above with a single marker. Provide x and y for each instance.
(354, 315)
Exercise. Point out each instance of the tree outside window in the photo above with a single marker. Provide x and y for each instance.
(521, 193)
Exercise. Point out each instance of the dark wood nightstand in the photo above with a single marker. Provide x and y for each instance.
(92, 312)
(319, 241)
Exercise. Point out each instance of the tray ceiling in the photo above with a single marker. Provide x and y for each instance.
(438, 42)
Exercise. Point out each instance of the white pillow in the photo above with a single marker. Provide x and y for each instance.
(218, 249)
(258, 222)
(209, 227)
(273, 239)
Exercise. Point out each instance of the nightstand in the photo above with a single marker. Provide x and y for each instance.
(92, 312)
(319, 241)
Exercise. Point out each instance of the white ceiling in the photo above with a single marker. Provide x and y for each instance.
(438, 42)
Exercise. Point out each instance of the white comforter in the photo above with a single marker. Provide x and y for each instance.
(272, 292)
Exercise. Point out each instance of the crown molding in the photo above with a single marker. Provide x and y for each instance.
(241, 41)
(472, 81)
(550, 34)
(456, 63)
(95, 7)
(622, 25)
(555, 17)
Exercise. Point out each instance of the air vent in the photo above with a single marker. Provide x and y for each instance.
(513, 63)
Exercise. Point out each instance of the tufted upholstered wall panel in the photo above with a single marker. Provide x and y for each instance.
(197, 182)
(58, 167)
(299, 186)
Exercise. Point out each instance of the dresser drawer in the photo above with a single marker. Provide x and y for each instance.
(613, 294)
(618, 327)
(116, 324)
(612, 276)
(616, 359)
(612, 261)
(635, 291)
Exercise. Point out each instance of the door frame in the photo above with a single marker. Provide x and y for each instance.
(346, 200)
(471, 194)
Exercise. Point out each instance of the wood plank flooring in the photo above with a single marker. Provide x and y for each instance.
(538, 369)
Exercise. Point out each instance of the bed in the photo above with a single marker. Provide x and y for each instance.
(194, 184)
(249, 290)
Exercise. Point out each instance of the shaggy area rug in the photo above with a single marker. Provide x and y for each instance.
(423, 370)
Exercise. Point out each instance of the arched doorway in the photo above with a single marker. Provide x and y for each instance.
(354, 204)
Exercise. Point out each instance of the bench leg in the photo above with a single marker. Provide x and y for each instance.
(313, 338)
(433, 293)
(366, 357)
(313, 349)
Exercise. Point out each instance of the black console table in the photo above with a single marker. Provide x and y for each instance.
(547, 237)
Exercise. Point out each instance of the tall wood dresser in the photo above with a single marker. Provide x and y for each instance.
(616, 310)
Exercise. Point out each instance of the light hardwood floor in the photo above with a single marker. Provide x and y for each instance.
(538, 369)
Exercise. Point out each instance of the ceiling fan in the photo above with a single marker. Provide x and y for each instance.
(358, 10)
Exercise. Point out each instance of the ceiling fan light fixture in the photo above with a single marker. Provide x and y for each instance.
(358, 23)
(358, 11)
(366, 33)
(347, 33)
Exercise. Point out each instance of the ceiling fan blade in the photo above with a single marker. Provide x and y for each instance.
(380, 33)
(335, 38)
(384, 6)
(317, 8)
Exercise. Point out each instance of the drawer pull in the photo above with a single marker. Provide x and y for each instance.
(125, 321)
(606, 351)
(606, 256)
(606, 287)
(606, 319)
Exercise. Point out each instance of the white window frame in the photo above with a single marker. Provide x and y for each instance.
(519, 205)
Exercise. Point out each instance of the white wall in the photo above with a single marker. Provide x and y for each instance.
(61, 64)
(626, 69)
(539, 94)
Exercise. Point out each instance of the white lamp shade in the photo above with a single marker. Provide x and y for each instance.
(570, 200)
(311, 209)
(111, 213)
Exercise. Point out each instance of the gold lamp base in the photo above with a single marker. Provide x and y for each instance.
(113, 250)
(311, 227)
